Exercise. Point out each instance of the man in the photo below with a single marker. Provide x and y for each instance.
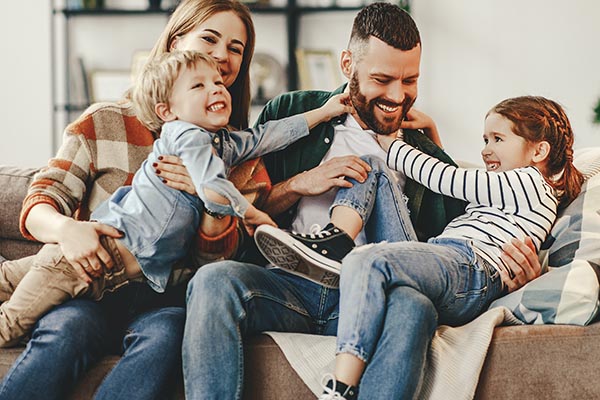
(228, 301)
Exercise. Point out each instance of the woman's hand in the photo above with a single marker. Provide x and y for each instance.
(81, 247)
(254, 217)
(174, 174)
(522, 259)
(416, 119)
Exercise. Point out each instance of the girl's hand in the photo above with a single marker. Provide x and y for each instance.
(81, 247)
(416, 119)
(174, 174)
(254, 217)
(337, 105)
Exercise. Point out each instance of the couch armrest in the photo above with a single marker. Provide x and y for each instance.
(14, 182)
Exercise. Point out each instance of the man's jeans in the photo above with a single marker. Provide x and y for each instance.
(392, 297)
(229, 301)
(72, 337)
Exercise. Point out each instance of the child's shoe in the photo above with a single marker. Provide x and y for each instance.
(316, 256)
(334, 390)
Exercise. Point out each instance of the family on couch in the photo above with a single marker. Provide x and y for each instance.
(227, 301)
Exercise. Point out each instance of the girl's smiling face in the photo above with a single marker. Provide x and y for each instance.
(504, 150)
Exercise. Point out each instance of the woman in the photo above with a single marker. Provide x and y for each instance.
(101, 150)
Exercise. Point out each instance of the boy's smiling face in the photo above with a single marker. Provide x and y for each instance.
(199, 96)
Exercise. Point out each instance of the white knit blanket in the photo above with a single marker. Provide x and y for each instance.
(453, 365)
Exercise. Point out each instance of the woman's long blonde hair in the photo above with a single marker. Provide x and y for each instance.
(186, 17)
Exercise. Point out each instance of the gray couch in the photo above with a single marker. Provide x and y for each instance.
(528, 362)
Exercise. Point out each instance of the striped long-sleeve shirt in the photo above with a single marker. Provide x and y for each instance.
(502, 205)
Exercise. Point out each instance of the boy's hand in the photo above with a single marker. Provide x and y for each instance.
(255, 217)
(337, 105)
(416, 119)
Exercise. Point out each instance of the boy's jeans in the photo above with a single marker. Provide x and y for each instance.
(392, 296)
(51, 281)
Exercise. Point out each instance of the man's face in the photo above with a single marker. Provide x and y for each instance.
(383, 85)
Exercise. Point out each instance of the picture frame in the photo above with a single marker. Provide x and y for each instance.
(109, 85)
(317, 69)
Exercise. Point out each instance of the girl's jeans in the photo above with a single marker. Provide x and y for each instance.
(392, 297)
(380, 203)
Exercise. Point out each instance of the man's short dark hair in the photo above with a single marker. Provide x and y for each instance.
(388, 23)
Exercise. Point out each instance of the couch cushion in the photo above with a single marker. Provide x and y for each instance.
(568, 292)
(14, 182)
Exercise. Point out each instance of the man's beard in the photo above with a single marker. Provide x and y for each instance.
(366, 110)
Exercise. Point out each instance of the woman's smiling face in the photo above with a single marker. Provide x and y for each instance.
(222, 36)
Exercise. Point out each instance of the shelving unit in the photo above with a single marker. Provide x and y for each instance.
(66, 107)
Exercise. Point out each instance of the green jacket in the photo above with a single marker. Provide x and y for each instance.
(430, 212)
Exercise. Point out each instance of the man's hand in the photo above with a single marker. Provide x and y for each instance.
(254, 217)
(521, 258)
(330, 174)
(81, 247)
(174, 174)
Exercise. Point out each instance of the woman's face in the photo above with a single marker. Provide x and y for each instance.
(222, 36)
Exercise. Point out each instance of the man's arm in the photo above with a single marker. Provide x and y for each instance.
(316, 181)
(521, 258)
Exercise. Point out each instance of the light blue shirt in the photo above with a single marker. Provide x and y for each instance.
(158, 222)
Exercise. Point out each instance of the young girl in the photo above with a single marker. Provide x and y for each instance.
(453, 277)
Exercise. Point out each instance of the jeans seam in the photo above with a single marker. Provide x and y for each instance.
(252, 294)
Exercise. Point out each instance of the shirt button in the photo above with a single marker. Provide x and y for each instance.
(216, 140)
(327, 140)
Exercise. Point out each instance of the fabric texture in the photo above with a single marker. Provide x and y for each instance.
(568, 292)
(454, 360)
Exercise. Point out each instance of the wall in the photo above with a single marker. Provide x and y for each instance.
(25, 104)
(475, 54)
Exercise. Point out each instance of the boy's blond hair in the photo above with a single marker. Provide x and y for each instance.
(155, 83)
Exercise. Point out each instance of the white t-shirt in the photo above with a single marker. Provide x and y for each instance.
(349, 139)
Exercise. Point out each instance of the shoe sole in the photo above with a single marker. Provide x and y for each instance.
(284, 251)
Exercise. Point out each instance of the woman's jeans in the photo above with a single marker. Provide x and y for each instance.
(229, 301)
(393, 295)
(135, 322)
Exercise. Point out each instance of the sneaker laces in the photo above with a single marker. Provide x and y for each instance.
(315, 232)
(329, 393)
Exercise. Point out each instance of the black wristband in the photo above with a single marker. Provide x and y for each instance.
(214, 214)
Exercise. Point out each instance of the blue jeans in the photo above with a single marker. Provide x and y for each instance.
(229, 301)
(72, 337)
(392, 297)
(380, 204)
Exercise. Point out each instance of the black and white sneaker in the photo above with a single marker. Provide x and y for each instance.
(316, 256)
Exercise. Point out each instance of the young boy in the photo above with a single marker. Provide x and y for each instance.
(183, 93)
